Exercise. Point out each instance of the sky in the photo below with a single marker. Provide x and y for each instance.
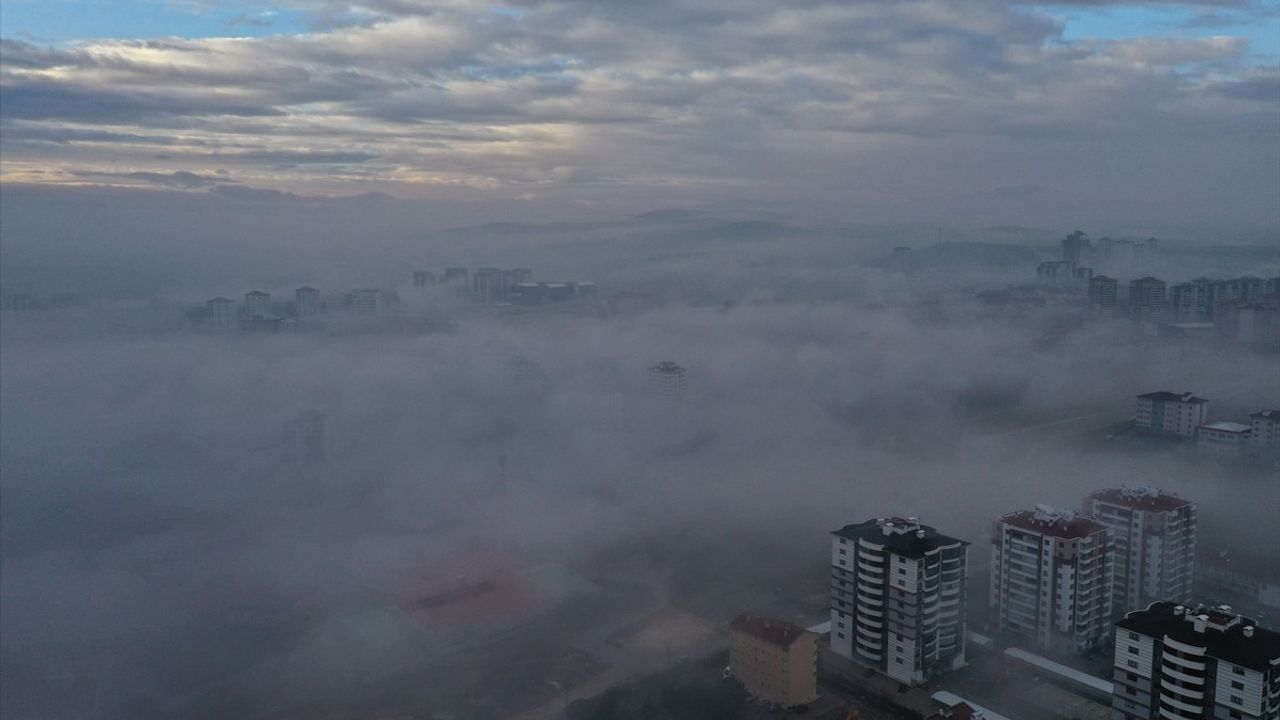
(818, 110)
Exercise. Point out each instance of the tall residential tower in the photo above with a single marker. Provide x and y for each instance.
(1154, 535)
(1051, 579)
(898, 597)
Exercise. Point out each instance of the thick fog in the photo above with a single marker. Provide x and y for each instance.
(163, 537)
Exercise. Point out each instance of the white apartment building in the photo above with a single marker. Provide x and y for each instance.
(1051, 579)
(1175, 662)
(1169, 413)
(898, 598)
(1154, 539)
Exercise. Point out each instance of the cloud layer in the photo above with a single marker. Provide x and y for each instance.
(813, 106)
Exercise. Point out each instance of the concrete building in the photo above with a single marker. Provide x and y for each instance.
(1223, 439)
(667, 380)
(1102, 291)
(1175, 662)
(1166, 413)
(1191, 301)
(1076, 248)
(457, 279)
(308, 301)
(1058, 273)
(1147, 297)
(257, 304)
(1154, 539)
(486, 283)
(898, 598)
(774, 660)
(222, 312)
(1264, 429)
(1051, 578)
(423, 278)
(368, 302)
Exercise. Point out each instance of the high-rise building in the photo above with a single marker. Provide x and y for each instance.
(1154, 536)
(1059, 273)
(308, 301)
(1102, 291)
(423, 278)
(898, 598)
(222, 312)
(257, 304)
(1176, 662)
(774, 660)
(1166, 413)
(1075, 248)
(667, 380)
(1051, 579)
(486, 283)
(457, 279)
(1147, 296)
(1191, 301)
(367, 302)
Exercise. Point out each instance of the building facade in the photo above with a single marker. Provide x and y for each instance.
(667, 380)
(1166, 413)
(367, 302)
(1175, 662)
(1264, 429)
(257, 304)
(1154, 539)
(1224, 439)
(1102, 291)
(1147, 297)
(308, 301)
(1051, 579)
(774, 660)
(898, 598)
(222, 312)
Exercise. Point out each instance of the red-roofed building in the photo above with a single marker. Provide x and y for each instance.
(774, 660)
(1051, 581)
(1154, 534)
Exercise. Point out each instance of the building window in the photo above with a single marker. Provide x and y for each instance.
(1237, 670)
(840, 635)
(1237, 699)
(1133, 636)
(1132, 663)
(1237, 685)
(1133, 650)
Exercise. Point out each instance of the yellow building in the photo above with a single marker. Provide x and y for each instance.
(774, 660)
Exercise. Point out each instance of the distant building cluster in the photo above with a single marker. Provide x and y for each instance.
(258, 311)
(490, 284)
(1118, 576)
(1243, 309)
(1185, 416)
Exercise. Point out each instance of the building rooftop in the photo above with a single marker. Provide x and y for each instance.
(1164, 396)
(1225, 426)
(770, 630)
(1223, 634)
(903, 536)
(1051, 521)
(1266, 414)
(222, 300)
(257, 293)
(1145, 497)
